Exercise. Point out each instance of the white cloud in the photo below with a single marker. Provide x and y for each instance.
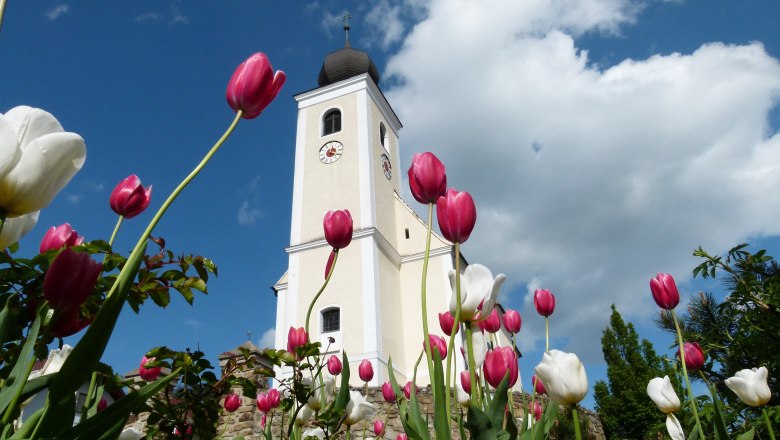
(598, 179)
(55, 12)
(147, 17)
(384, 19)
(74, 199)
(247, 215)
(193, 323)
(268, 339)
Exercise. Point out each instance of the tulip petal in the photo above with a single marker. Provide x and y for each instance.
(31, 123)
(43, 170)
(9, 150)
(477, 282)
(480, 345)
(15, 228)
(674, 428)
(490, 301)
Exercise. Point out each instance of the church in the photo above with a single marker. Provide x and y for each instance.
(347, 156)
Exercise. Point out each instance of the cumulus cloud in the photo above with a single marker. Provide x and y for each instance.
(598, 178)
(268, 339)
(385, 19)
(248, 212)
(57, 11)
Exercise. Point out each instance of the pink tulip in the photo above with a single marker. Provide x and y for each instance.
(457, 215)
(59, 236)
(544, 301)
(268, 401)
(538, 385)
(366, 371)
(694, 356)
(329, 264)
(465, 381)
(232, 402)
(148, 373)
(296, 338)
(334, 365)
(338, 228)
(512, 321)
(497, 362)
(427, 178)
(408, 390)
(103, 404)
(401, 436)
(537, 411)
(388, 393)
(665, 291)
(254, 85)
(130, 198)
(447, 322)
(70, 279)
(379, 428)
(492, 323)
(438, 343)
(69, 323)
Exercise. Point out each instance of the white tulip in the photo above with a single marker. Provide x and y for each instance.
(314, 432)
(563, 376)
(358, 408)
(304, 415)
(130, 434)
(661, 392)
(751, 386)
(477, 285)
(16, 227)
(674, 428)
(325, 384)
(479, 343)
(464, 398)
(37, 159)
(54, 362)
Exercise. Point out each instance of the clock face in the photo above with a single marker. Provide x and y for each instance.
(386, 167)
(331, 152)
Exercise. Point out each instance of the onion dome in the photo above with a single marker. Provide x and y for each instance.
(346, 62)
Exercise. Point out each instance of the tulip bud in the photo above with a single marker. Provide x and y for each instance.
(334, 365)
(544, 301)
(563, 376)
(268, 401)
(254, 85)
(69, 323)
(492, 323)
(388, 393)
(366, 371)
(662, 394)
(59, 236)
(447, 322)
(130, 198)
(401, 436)
(438, 343)
(465, 381)
(296, 338)
(512, 321)
(408, 390)
(70, 279)
(694, 356)
(427, 178)
(457, 215)
(103, 404)
(751, 386)
(538, 385)
(338, 228)
(497, 362)
(537, 411)
(232, 402)
(379, 428)
(148, 373)
(665, 291)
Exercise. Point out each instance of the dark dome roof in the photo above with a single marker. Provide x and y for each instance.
(346, 63)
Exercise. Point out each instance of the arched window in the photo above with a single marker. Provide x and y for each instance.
(331, 320)
(331, 122)
(383, 135)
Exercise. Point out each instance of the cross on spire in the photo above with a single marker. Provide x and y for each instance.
(346, 18)
(249, 335)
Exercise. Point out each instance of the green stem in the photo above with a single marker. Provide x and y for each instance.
(90, 396)
(575, 415)
(322, 289)
(347, 434)
(768, 424)
(455, 326)
(547, 333)
(116, 229)
(694, 407)
(427, 340)
(531, 406)
(182, 185)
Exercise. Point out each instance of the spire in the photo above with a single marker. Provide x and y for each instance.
(346, 18)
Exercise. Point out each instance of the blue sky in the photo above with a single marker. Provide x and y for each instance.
(618, 135)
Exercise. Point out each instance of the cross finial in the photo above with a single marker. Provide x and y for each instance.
(249, 335)
(346, 18)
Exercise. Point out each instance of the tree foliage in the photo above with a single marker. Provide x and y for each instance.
(623, 405)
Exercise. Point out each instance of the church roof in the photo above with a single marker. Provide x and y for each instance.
(346, 63)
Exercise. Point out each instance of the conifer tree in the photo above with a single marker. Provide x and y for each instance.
(625, 410)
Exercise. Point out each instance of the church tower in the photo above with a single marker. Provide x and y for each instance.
(347, 157)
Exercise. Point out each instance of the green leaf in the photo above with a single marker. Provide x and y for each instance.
(747, 435)
(694, 434)
(186, 292)
(5, 316)
(479, 425)
(12, 389)
(441, 415)
(403, 410)
(718, 424)
(497, 406)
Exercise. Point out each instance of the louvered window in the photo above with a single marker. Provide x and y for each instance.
(331, 320)
(382, 134)
(331, 123)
